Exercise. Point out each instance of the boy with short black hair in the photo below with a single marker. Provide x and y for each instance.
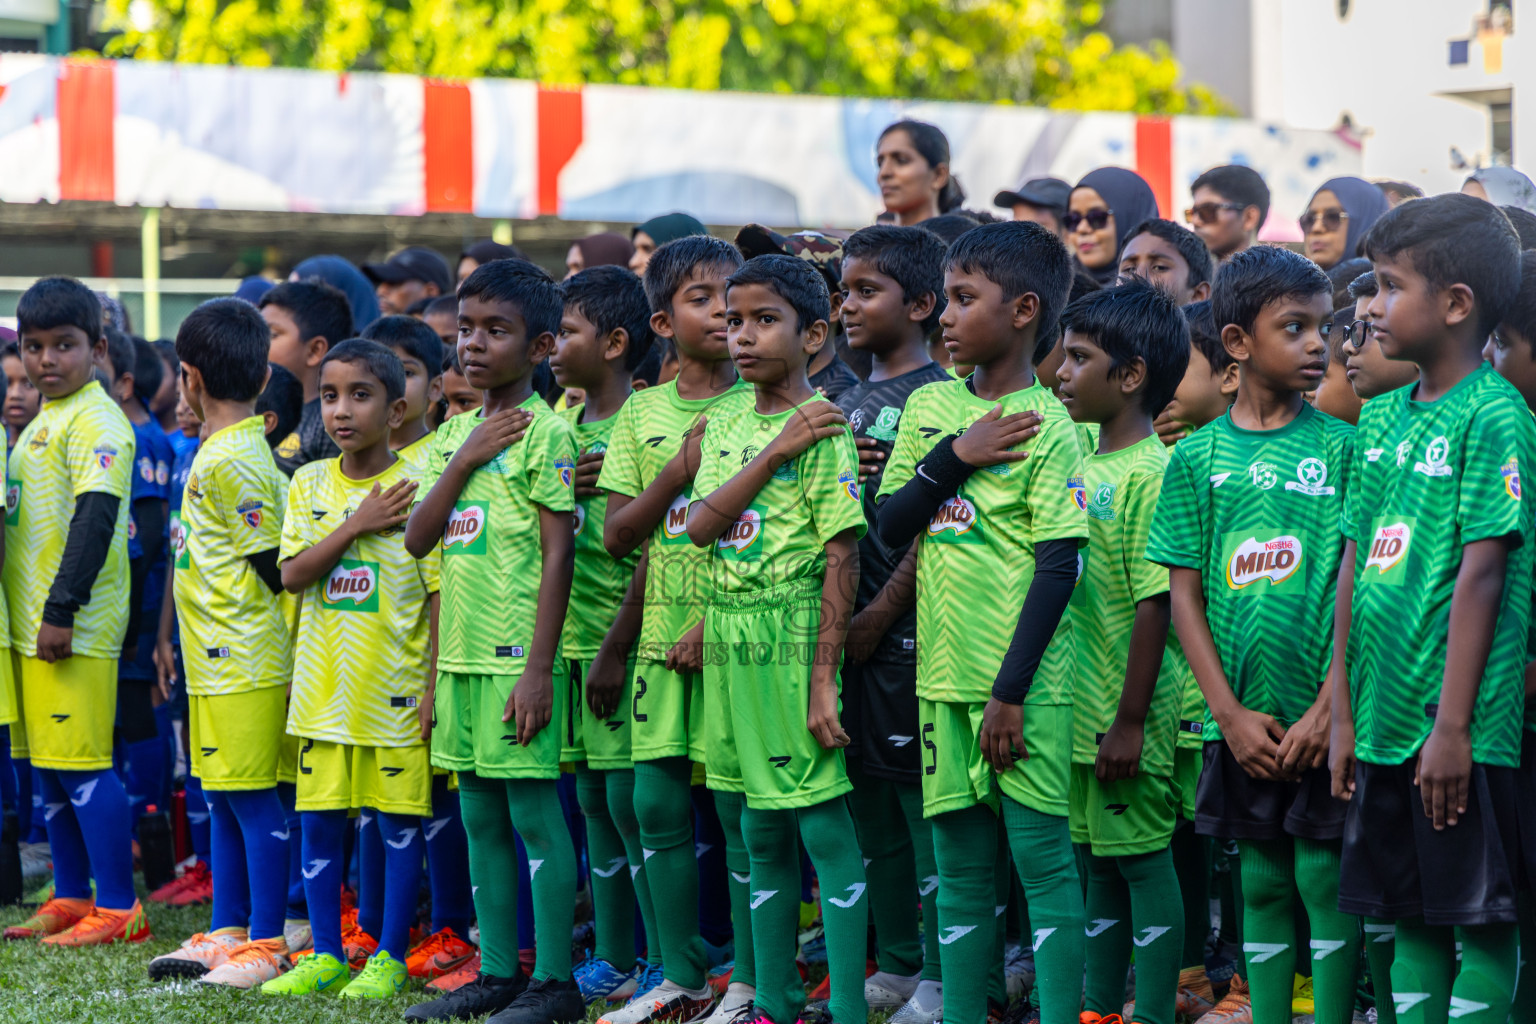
(237, 647)
(458, 395)
(66, 585)
(1210, 381)
(985, 511)
(648, 473)
(1370, 372)
(361, 715)
(1438, 549)
(1126, 350)
(280, 405)
(1231, 204)
(605, 332)
(892, 282)
(22, 399)
(1334, 396)
(1170, 256)
(1511, 348)
(776, 497)
(305, 319)
(420, 351)
(502, 515)
(1247, 524)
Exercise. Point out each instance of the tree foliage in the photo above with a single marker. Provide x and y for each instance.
(1035, 52)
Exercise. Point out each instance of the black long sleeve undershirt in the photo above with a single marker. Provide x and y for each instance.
(1044, 604)
(149, 517)
(936, 479)
(85, 552)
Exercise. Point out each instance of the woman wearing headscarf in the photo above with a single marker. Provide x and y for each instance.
(1502, 186)
(658, 231)
(1337, 218)
(603, 250)
(1101, 212)
(340, 273)
(914, 175)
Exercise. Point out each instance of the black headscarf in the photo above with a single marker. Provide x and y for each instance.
(1130, 199)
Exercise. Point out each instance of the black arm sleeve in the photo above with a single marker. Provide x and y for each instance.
(1044, 605)
(265, 564)
(85, 552)
(902, 516)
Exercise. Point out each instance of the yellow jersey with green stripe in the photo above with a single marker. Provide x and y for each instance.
(234, 635)
(361, 662)
(78, 444)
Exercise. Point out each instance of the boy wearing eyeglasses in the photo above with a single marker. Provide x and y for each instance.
(1371, 373)
(1230, 204)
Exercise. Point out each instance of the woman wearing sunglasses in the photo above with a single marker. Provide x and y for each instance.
(1102, 210)
(1339, 215)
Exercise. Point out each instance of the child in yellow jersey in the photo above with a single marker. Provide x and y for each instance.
(66, 584)
(362, 690)
(236, 646)
(502, 515)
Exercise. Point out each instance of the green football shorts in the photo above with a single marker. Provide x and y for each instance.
(603, 743)
(1123, 818)
(469, 735)
(759, 650)
(666, 713)
(1187, 762)
(955, 776)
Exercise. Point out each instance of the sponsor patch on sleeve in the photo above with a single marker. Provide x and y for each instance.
(1510, 471)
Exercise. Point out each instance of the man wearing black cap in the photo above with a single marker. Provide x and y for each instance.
(412, 274)
(1042, 200)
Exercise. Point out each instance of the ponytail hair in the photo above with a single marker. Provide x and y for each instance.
(933, 146)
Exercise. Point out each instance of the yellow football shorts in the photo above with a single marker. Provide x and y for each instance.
(237, 737)
(67, 710)
(340, 776)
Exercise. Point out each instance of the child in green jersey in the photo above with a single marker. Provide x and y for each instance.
(605, 333)
(361, 715)
(420, 352)
(1126, 349)
(1247, 521)
(502, 515)
(999, 531)
(892, 280)
(783, 517)
(1432, 630)
(648, 473)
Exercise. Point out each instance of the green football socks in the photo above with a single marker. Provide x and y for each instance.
(1334, 942)
(773, 843)
(1108, 945)
(492, 871)
(1044, 859)
(729, 807)
(965, 849)
(1157, 933)
(621, 808)
(539, 819)
(891, 869)
(1380, 944)
(664, 809)
(613, 895)
(1429, 989)
(1269, 931)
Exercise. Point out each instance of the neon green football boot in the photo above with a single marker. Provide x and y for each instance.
(321, 973)
(383, 977)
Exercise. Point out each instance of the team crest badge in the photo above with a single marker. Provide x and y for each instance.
(1079, 492)
(250, 512)
(105, 456)
(850, 482)
(1510, 471)
(566, 468)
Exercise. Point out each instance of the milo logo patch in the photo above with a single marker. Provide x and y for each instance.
(742, 540)
(465, 532)
(674, 525)
(1256, 558)
(12, 502)
(178, 541)
(1391, 541)
(956, 521)
(352, 587)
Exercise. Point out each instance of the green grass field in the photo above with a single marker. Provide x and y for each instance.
(109, 985)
